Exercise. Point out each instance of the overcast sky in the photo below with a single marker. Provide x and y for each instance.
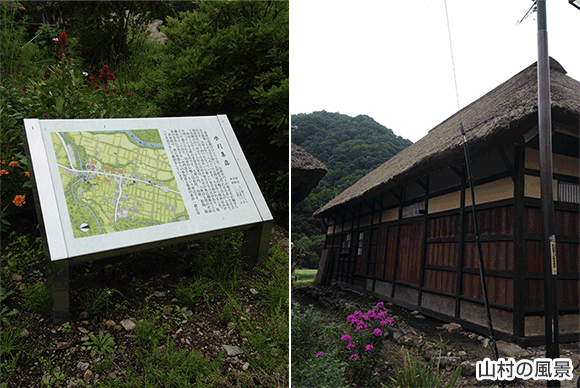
(390, 59)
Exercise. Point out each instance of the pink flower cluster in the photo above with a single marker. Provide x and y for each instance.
(364, 322)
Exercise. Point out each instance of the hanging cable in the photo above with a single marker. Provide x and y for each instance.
(472, 191)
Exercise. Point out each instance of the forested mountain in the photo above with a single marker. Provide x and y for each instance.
(350, 147)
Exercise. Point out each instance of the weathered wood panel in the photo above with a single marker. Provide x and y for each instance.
(361, 252)
(443, 226)
(440, 280)
(497, 255)
(442, 254)
(499, 290)
(566, 224)
(567, 292)
(492, 221)
(390, 254)
(381, 249)
(410, 253)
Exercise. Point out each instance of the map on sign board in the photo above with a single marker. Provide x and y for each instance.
(108, 184)
(116, 180)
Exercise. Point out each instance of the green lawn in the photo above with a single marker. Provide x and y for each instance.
(304, 276)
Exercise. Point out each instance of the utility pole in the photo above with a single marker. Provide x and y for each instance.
(547, 199)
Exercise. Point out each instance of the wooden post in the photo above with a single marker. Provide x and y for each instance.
(257, 242)
(460, 246)
(520, 286)
(547, 200)
(424, 242)
(57, 282)
(398, 242)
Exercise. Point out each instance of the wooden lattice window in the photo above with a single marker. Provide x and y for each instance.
(361, 237)
(568, 192)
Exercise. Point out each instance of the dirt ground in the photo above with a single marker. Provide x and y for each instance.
(157, 277)
(425, 336)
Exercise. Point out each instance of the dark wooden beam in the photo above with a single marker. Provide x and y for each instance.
(460, 246)
(395, 194)
(398, 241)
(424, 240)
(507, 163)
(369, 254)
(423, 184)
(520, 284)
(460, 174)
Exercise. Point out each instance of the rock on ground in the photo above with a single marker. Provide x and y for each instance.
(127, 324)
(506, 350)
(233, 350)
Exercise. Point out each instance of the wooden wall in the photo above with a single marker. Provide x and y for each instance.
(415, 245)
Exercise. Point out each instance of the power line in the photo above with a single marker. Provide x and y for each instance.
(472, 191)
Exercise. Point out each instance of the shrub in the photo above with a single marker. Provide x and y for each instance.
(315, 348)
(63, 92)
(232, 58)
(324, 370)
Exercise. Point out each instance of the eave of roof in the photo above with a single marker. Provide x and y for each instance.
(501, 115)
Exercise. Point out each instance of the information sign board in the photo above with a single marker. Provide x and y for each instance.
(108, 184)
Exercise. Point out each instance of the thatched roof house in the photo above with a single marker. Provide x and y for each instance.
(404, 232)
(306, 172)
(499, 116)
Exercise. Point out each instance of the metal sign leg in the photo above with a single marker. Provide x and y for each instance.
(257, 242)
(57, 278)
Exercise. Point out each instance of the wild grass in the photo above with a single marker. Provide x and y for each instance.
(417, 374)
(95, 301)
(37, 298)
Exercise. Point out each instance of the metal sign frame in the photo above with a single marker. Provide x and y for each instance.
(62, 248)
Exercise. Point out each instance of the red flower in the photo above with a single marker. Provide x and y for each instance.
(104, 74)
(47, 73)
(62, 40)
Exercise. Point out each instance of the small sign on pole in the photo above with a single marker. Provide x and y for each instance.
(104, 187)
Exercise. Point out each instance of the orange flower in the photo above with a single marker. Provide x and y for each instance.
(2, 172)
(19, 200)
(2, 162)
(13, 163)
(27, 173)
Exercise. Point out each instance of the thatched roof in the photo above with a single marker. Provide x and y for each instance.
(307, 171)
(502, 115)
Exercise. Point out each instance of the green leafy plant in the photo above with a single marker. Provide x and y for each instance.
(192, 292)
(20, 251)
(96, 301)
(145, 331)
(273, 279)
(326, 369)
(232, 58)
(6, 313)
(60, 91)
(416, 374)
(226, 313)
(220, 259)
(10, 350)
(37, 298)
(103, 343)
(65, 327)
